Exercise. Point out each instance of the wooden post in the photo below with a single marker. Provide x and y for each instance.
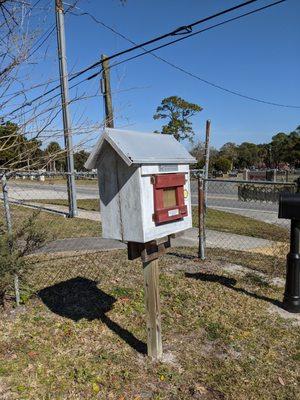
(201, 219)
(152, 302)
(109, 117)
(150, 253)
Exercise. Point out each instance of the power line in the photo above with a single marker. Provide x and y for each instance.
(26, 14)
(200, 31)
(196, 76)
(56, 95)
(182, 30)
(173, 65)
(51, 30)
(22, 91)
(217, 86)
(176, 31)
(48, 34)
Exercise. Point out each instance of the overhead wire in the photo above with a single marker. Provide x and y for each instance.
(48, 34)
(191, 74)
(174, 32)
(79, 73)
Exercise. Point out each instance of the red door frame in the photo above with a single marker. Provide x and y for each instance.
(164, 181)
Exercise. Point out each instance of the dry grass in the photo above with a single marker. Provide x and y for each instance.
(57, 181)
(82, 336)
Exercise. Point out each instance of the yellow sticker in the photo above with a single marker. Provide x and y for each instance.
(186, 194)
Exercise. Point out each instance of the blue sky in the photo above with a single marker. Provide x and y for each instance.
(257, 56)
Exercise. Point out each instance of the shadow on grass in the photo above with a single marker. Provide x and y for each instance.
(80, 298)
(184, 256)
(230, 283)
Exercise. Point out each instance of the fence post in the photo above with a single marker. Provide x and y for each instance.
(206, 157)
(9, 232)
(297, 181)
(201, 218)
(286, 175)
(246, 174)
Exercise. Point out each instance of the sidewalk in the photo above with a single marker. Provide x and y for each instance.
(221, 240)
(214, 239)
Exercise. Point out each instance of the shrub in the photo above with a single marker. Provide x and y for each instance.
(265, 193)
(14, 249)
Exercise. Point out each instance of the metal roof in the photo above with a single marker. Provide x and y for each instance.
(141, 148)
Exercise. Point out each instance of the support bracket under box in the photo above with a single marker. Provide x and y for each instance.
(148, 251)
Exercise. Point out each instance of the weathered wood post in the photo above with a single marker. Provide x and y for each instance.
(150, 253)
(152, 303)
(201, 219)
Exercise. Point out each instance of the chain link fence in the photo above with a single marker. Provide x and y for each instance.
(46, 197)
(241, 216)
(234, 216)
(34, 214)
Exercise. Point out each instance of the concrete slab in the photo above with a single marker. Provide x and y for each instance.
(215, 239)
(223, 240)
(81, 244)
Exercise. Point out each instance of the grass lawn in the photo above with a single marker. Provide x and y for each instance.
(83, 204)
(56, 226)
(82, 336)
(57, 181)
(216, 220)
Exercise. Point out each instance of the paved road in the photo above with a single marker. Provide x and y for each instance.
(221, 195)
(34, 191)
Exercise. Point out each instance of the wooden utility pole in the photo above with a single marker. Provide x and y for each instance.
(206, 158)
(207, 142)
(205, 185)
(64, 84)
(106, 90)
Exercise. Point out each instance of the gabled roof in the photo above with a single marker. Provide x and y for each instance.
(141, 148)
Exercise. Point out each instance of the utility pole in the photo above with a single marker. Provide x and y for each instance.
(106, 91)
(64, 84)
(206, 155)
(205, 186)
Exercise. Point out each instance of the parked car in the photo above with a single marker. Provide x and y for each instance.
(233, 174)
(217, 174)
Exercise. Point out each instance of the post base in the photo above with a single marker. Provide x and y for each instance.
(291, 305)
(291, 299)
